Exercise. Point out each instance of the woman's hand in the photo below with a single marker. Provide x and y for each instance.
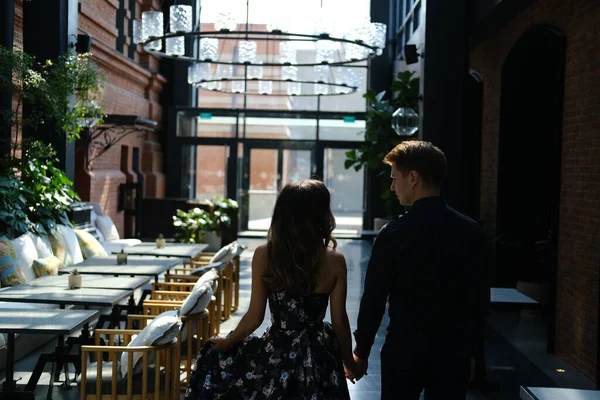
(220, 344)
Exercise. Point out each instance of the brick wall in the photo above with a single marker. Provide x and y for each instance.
(132, 89)
(579, 235)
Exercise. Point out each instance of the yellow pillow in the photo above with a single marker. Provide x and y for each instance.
(47, 266)
(59, 247)
(90, 247)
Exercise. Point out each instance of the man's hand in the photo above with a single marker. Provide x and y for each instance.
(362, 365)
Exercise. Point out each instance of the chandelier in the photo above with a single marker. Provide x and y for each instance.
(265, 59)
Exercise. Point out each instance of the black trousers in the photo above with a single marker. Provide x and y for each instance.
(441, 376)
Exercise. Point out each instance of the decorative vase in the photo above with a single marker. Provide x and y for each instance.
(212, 240)
(74, 281)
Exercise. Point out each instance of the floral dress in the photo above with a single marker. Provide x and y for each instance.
(296, 358)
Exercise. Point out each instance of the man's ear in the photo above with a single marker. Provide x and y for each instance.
(413, 178)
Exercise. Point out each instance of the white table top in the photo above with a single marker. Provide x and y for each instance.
(54, 322)
(511, 298)
(62, 295)
(540, 393)
(170, 250)
(136, 266)
(94, 281)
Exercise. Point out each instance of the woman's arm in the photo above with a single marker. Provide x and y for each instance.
(339, 317)
(258, 302)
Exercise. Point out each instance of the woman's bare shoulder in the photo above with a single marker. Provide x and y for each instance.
(336, 259)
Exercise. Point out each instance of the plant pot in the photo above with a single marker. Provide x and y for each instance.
(75, 281)
(379, 223)
(161, 243)
(212, 240)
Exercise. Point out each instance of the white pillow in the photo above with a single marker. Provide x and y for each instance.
(107, 227)
(198, 299)
(26, 253)
(42, 246)
(161, 330)
(210, 277)
(224, 254)
(72, 243)
(238, 249)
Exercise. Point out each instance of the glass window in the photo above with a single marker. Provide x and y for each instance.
(281, 128)
(211, 171)
(399, 13)
(407, 7)
(407, 30)
(205, 125)
(333, 129)
(417, 16)
(347, 191)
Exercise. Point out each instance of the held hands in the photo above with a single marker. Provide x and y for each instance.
(356, 370)
(220, 344)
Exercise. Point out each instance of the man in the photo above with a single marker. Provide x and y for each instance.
(431, 265)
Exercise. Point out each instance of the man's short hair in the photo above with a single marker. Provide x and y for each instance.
(420, 156)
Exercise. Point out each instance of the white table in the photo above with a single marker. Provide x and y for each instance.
(541, 393)
(136, 266)
(51, 322)
(511, 299)
(183, 250)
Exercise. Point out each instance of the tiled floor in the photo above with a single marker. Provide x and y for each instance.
(507, 367)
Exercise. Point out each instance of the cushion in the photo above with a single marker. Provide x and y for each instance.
(211, 276)
(10, 273)
(59, 247)
(198, 299)
(93, 218)
(106, 226)
(42, 245)
(224, 254)
(115, 246)
(26, 253)
(90, 247)
(47, 266)
(72, 243)
(161, 330)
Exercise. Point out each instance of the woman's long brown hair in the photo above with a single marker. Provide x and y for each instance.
(298, 238)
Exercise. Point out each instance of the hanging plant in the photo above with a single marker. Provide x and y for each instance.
(380, 136)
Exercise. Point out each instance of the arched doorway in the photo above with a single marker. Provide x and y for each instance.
(529, 163)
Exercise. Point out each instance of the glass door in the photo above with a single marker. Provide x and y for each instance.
(267, 168)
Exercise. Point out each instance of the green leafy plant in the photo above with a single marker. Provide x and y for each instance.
(380, 137)
(190, 226)
(74, 272)
(39, 193)
(48, 89)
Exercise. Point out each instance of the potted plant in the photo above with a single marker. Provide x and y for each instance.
(161, 242)
(34, 193)
(74, 279)
(380, 136)
(208, 224)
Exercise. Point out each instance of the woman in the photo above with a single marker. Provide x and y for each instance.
(299, 356)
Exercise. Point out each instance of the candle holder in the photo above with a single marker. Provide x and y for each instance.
(161, 242)
(121, 257)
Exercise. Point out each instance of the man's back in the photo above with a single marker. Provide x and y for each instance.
(436, 272)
